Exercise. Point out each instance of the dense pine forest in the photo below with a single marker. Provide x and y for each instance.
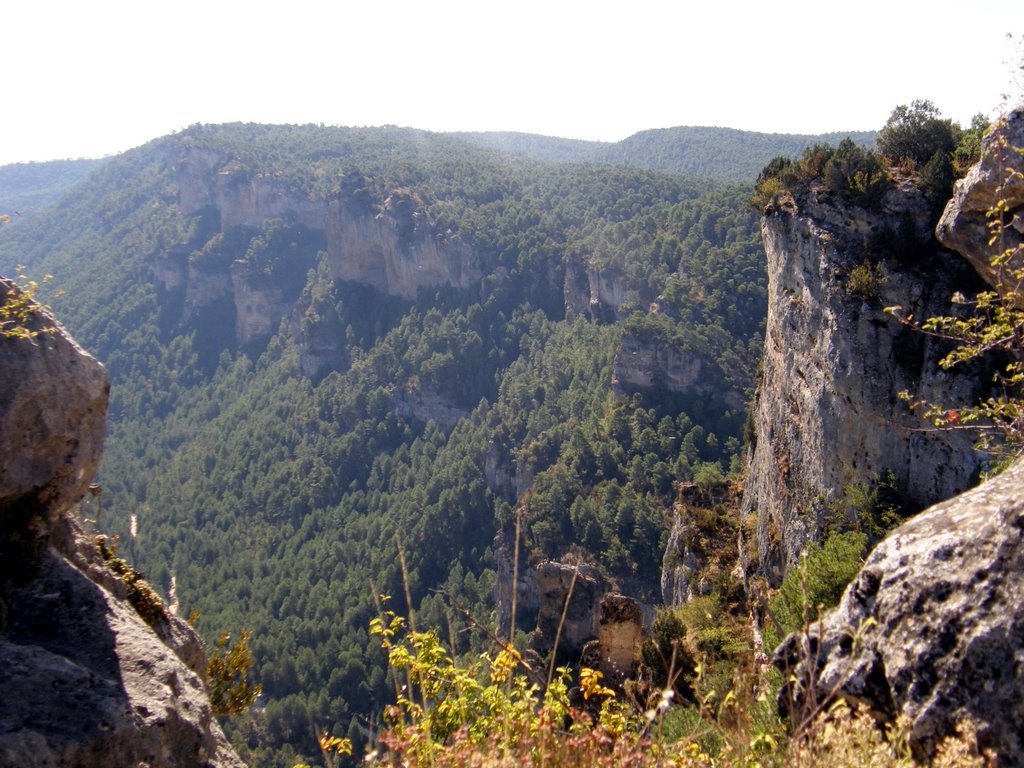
(283, 425)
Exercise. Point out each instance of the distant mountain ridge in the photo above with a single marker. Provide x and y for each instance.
(29, 187)
(720, 154)
(534, 145)
(724, 154)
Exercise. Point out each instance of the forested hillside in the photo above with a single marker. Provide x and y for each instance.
(328, 345)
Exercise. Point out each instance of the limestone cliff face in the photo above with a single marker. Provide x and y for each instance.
(394, 251)
(643, 364)
(245, 200)
(700, 550)
(592, 292)
(936, 608)
(242, 198)
(204, 288)
(827, 412)
(583, 587)
(424, 405)
(384, 244)
(196, 171)
(259, 306)
(527, 597)
(86, 680)
(601, 628)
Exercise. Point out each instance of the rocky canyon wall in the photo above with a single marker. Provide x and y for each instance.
(932, 628)
(828, 415)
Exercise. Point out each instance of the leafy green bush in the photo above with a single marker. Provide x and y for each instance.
(968, 151)
(936, 180)
(877, 507)
(865, 281)
(665, 657)
(849, 170)
(816, 584)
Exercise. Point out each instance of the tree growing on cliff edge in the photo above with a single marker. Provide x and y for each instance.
(917, 132)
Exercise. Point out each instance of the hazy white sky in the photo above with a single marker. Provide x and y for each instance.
(99, 77)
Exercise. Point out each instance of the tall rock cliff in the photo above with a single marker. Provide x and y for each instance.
(94, 670)
(932, 627)
(394, 250)
(828, 417)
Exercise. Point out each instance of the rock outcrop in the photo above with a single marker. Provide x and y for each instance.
(386, 244)
(646, 364)
(964, 225)
(394, 250)
(933, 626)
(576, 591)
(53, 407)
(527, 598)
(599, 295)
(424, 405)
(828, 415)
(700, 554)
(87, 681)
(600, 628)
(241, 198)
(619, 632)
(259, 307)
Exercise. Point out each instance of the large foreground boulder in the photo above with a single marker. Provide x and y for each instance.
(53, 407)
(88, 683)
(932, 627)
(94, 672)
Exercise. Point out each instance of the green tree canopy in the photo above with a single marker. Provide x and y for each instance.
(917, 132)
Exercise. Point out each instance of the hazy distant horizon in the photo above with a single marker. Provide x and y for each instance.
(97, 79)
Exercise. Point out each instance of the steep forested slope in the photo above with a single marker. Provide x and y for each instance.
(330, 345)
